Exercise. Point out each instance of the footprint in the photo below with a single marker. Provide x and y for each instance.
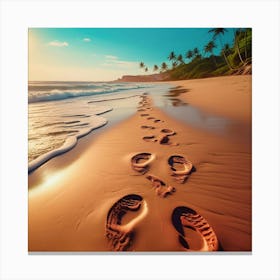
(181, 168)
(156, 121)
(150, 138)
(120, 236)
(144, 115)
(164, 140)
(140, 162)
(195, 234)
(161, 188)
(147, 127)
(144, 102)
(168, 132)
(150, 118)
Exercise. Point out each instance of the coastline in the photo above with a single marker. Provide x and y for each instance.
(229, 96)
(69, 200)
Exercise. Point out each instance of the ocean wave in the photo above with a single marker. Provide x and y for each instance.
(69, 144)
(113, 98)
(40, 94)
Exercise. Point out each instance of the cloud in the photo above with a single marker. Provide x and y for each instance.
(58, 44)
(111, 57)
(112, 60)
(86, 39)
(126, 63)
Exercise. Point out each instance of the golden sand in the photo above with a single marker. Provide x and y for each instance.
(152, 183)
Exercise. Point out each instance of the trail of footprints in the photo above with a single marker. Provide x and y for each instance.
(120, 236)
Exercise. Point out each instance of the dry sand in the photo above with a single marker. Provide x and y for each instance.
(120, 193)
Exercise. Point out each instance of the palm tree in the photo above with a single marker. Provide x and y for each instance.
(209, 49)
(174, 64)
(142, 65)
(172, 56)
(164, 66)
(218, 32)
(146, 69)
(180, 59)
(224, 52)
(236, 43)
(189, 54)
(155, 68)
(196, 52)
(246, 42)
(246, 29)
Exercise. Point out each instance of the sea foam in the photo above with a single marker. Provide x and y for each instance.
(60, 91)
(69, 143)
(57, 120)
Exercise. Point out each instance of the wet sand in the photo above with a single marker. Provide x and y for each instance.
(226, 96)
(151, 183)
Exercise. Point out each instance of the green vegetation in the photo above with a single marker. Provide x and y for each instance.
(233, 59)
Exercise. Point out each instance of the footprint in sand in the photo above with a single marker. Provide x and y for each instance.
(181, 168)
(157, 120)
(195, 234)
(168, 132)
(164, 139)
(120, 236)
(141, 162)
(162, 189)
(150, 118)
(144, 115)
(150, 138)
(147, 127)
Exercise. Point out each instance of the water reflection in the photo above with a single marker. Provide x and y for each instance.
(177, 102)
(180, 110)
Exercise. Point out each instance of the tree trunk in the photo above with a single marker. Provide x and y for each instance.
(214, 60)
(227, 62)
(238, 50)
(245, 43)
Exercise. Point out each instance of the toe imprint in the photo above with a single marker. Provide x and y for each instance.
(184, 217)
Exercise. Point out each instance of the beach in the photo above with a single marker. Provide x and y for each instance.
(153, 183)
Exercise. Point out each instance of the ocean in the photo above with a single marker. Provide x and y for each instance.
(59, 113)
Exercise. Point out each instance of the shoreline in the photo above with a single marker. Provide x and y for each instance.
(208, 94)
(78, 195)
(107, 117)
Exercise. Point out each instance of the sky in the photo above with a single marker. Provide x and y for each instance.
(105, 54)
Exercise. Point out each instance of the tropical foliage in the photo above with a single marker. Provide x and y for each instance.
(235, 58)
